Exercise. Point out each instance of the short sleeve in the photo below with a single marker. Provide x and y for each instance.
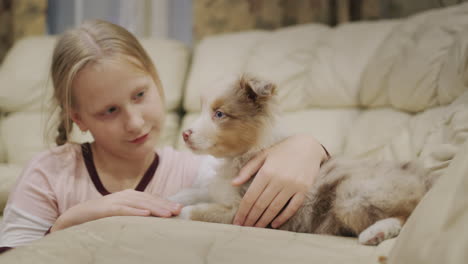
(32, 207)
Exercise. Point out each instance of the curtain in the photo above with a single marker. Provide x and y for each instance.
(18, 19)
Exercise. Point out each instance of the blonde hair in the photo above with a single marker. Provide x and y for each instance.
(91, 42)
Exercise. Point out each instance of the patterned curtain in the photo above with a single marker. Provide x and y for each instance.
(5, 27)
(220, 16)
(20, 18)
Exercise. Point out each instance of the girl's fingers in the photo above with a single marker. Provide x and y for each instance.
(249, 199)
(161, 212)
(250, 169)
(123, 210)
(274, 208)
(156, 205)
(172, 207)
(261, 204)
(290, 210)
(154, 209)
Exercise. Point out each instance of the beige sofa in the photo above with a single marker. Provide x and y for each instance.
(389, 89)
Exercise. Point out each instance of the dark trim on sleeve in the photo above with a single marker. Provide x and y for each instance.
(4, 249)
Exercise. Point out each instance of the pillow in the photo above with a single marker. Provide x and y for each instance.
(421, 63)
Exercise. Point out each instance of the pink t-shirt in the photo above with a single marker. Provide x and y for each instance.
(60, 178)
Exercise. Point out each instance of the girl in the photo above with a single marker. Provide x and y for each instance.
(106, 84)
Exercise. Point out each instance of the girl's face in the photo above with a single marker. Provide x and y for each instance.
(120, 106)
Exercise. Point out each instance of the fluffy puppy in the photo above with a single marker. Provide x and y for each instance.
(366, 198)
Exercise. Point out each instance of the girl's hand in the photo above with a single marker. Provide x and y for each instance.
(124, 203)
(285, 172)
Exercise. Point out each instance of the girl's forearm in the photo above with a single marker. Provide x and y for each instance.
(74, 216)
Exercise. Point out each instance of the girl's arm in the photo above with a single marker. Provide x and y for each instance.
(124, 203)
(285, 172)
(32, 207)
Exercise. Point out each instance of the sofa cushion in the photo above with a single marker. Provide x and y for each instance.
(24, 75)
(8, 175)
(214, 57)
(313, 65)
(421, 63)
(171, 59)
(149, 240)
(390, 134)
(2, 143)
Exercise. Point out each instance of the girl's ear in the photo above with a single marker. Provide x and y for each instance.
(75, 116)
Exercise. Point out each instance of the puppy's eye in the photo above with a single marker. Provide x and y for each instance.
(218, 114)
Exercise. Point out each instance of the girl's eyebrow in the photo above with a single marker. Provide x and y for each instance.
(140, 87)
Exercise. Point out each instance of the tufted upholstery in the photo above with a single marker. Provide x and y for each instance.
(390, 90)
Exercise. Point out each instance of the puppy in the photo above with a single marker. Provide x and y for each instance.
(366, 198)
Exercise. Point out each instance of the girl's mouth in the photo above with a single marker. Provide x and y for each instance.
(140, 140)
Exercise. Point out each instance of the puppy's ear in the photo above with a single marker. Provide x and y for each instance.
(258, 89)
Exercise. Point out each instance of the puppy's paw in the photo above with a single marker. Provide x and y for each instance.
(370, 238)
(381, 230)
(186, 212)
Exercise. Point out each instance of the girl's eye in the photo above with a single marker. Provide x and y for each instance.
(218, 114)
(110, 111)
(139, 95)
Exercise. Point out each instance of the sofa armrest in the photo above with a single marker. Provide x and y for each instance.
(436, 231)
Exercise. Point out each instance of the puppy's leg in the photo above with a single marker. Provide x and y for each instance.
(210, 212)
(191, 196)
(381, 230)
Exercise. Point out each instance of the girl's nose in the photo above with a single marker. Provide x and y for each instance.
(135, 122)
(186, 134)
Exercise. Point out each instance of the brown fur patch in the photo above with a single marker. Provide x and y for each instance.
(217, 104)
(325, 197)
(374, 213)
(237, 137)
(404, 210)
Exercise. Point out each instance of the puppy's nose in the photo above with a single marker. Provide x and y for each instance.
(186, 134)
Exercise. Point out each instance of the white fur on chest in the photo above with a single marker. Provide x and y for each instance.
(221, 189)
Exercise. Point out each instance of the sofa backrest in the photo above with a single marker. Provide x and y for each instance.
(364, 89)
(408, 64)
